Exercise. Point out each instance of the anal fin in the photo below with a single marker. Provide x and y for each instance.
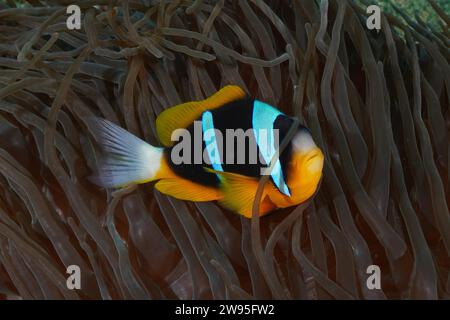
(184, 189)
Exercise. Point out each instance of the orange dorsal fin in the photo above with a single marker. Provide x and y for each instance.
(182, 115)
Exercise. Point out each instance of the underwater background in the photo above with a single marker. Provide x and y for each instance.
(377, 103)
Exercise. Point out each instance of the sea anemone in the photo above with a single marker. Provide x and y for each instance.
(377, 102)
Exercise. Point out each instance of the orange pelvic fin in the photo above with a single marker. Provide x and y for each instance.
(239, 193)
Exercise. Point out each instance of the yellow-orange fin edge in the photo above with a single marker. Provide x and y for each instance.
(183, 115)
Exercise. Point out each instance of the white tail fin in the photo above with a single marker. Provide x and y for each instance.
(128, 159)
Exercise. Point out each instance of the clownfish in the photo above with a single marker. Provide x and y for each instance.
(294, 177)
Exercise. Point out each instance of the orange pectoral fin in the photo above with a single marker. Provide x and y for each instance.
(182, 115)
(184, 189)
(239, 194)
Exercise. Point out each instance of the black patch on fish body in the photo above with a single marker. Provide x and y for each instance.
(235, 115)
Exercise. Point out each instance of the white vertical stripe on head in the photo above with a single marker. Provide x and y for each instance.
(263, 120)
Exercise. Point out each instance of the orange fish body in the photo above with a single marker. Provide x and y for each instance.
(216, 150)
